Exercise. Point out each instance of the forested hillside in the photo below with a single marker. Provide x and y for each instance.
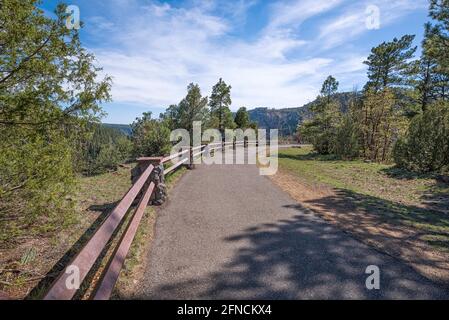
(124, 128)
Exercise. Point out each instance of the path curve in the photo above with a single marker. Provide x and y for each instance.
(229, 233)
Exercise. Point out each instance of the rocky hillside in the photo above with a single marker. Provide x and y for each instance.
(287, 120)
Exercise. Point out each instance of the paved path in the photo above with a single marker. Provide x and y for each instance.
(229, 233)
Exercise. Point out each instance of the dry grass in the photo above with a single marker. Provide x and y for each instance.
(28, 268)
(398, 212)
(38, 257)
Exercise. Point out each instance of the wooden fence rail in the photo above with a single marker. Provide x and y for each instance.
(64, 287)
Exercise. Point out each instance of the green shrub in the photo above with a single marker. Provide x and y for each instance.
(103, 150)
(425, 148)
(346, 141)
(150, 137)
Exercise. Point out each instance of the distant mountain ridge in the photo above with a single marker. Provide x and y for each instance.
(286, 120)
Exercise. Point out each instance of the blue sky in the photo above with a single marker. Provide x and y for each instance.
(275, 54)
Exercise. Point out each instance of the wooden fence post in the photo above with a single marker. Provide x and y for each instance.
(191, 165)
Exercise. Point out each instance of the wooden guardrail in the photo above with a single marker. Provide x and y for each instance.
(63, 287)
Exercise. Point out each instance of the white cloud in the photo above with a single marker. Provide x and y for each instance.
(293, 13)
(352, 22)
(158, 49)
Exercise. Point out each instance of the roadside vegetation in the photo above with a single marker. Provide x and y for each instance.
(402, 213)
(29, 268)
(35, 257)
(402, 114)
(61, 171)
(382, 181)
(379, 165)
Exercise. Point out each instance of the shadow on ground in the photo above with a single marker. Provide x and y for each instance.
(301, 257)
(436, 198)
(432, 225)
(44, 285)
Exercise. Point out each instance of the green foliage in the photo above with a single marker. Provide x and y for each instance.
(382, 124)
(192, 108)
(104, 149)
(425, 147)
(432, 69)
(436, 43)
(35, 180)
(388, 63)
(172, 117)
(311, 132)
(150, 137)
(321, 129)
(426, 81)
(48, 92)
(242, 118)
(346, 143)
(46, 76)
(329, 88)
(220, 101)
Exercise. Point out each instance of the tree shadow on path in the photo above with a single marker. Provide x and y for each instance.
(300, 257)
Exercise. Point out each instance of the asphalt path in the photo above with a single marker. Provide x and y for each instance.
(229, 233)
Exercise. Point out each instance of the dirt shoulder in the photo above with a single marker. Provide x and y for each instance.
(363, 222)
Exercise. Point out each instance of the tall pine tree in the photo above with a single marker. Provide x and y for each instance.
(389, 65)
(320, 130)
(220, 102)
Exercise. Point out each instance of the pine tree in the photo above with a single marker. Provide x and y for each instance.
(348, 137)
(150, 137)
(425, 82)
(192, 108)
(389, 65)
(382, 124)
(320, 130)
(220, 102)
(242, 118)
(425, 146)
(49, 91)
(437, 34)
(329, 88)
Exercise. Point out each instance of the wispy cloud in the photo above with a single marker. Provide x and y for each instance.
(352, 22)
(153, 50)
(293, 13)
